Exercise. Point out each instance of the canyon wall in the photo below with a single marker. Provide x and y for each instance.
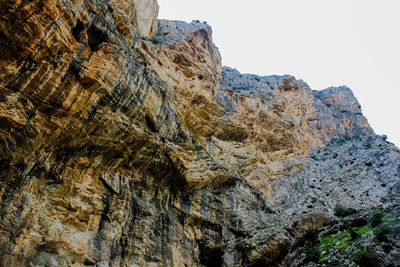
(124, 142)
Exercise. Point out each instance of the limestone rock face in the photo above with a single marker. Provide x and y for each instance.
(276, 120)
(354, 172)
(124, 142)
(135, 18)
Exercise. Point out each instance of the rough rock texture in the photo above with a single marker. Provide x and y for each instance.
(280, 119)
(123, 142)
(354, 240)
(360, 173)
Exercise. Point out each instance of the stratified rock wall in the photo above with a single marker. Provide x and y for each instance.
(124, 142)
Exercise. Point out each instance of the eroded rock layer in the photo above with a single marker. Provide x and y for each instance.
(124, 142)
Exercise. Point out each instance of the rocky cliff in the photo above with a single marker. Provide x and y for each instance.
(124, 142)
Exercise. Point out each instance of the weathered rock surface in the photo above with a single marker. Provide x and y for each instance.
(124, 142)
(361, 173)
(355, 240)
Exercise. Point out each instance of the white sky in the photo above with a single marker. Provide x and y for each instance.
(324, 42)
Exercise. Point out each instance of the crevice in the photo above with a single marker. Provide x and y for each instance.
(151, 124)
(96, 37)
(76, 31)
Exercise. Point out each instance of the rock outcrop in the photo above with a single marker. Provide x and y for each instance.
(124, 142)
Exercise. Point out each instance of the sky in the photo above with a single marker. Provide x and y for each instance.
(323, 42)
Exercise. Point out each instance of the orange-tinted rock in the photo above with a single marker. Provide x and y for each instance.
(123, 141)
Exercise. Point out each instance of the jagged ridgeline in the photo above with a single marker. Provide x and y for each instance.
(124, 142)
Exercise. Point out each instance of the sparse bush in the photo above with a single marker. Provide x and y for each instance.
(376, 219)
(367, 259)
(155, 40)
(382, 232)
(387, 247)
(312, 255)
(358, 222)
(354, 235)
(331, 223)
(342, 211)
(312, 236)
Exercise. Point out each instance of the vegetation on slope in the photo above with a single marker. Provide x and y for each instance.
(366, 239)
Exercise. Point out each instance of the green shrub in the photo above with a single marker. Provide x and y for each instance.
(376, 219)
(367, 259)
(382, 232)
(312, 236)
(354, 235)
(358, 222)
(342, 211)
(387, 247)
(312, 255)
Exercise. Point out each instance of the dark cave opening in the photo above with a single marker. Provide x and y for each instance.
(211, 257)
(76, 31)
(96, 37)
